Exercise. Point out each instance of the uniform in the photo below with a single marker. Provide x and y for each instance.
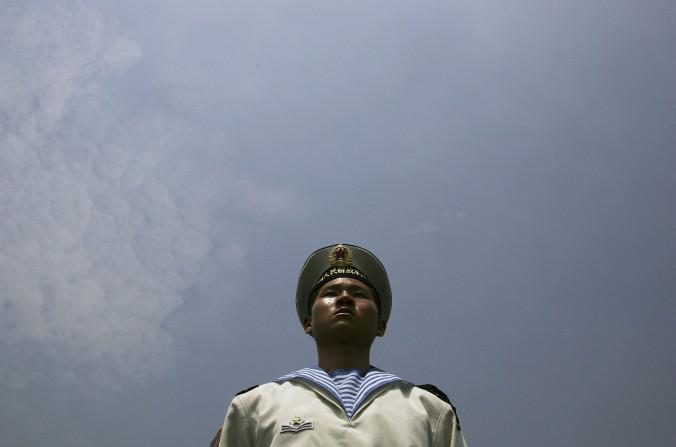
(300, 413)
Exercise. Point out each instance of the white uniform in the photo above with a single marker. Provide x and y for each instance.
(299, 413)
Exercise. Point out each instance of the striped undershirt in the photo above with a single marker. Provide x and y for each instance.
(349, 386)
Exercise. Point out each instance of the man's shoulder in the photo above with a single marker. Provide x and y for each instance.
(256, 389)
(267, 390)
(282, 381)
(433, 389)
(440, 397)
(246, 390)
(427, 392)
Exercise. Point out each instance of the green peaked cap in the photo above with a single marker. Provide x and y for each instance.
(342, 260)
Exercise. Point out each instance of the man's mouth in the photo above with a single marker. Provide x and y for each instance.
(344, 311)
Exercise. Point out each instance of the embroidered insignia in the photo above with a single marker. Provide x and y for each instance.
(336, 271)
(340, 256)
(297, 424)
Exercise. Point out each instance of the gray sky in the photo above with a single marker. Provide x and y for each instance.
(167, 166)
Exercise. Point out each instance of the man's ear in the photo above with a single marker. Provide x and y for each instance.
(380, 330)
(307, 326)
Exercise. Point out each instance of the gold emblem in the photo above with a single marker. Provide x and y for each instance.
(295, 422)
(340, 256)
(296, 425)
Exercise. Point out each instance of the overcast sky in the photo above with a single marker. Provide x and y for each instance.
(167, 166)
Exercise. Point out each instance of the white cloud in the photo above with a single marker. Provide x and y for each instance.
(96, 243)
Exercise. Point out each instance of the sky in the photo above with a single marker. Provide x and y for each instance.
(166, 167)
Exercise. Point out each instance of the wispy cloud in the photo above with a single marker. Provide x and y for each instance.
(97, 242)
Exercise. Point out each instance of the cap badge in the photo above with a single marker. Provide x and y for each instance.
(340, 256)
(297, 424)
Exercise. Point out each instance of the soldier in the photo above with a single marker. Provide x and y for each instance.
(343, 301)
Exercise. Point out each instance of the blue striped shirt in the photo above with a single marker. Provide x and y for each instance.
(349, 386)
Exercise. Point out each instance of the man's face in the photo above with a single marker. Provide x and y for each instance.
(345, 311)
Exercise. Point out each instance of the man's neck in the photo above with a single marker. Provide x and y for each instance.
(332, 358)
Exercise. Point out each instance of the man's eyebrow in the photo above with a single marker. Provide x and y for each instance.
(350, 287)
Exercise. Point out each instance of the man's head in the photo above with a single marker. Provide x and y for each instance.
(328, 264)
(345, 311)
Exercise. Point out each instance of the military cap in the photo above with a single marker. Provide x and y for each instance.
(342, 260)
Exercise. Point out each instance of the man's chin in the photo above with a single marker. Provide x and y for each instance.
(347, 334)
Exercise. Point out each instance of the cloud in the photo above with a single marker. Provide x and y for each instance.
(98, 239)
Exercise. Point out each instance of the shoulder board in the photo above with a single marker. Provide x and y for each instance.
(436, 391)
(216, 439)
(441, 395)
(246, 390)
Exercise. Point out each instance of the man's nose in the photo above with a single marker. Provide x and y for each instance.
(345, 298)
